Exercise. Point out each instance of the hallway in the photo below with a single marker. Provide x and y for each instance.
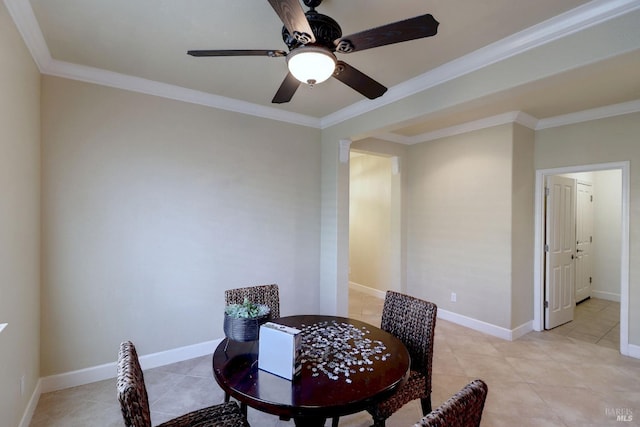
(596, 321)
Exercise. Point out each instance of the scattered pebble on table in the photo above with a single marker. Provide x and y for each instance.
(333, 348)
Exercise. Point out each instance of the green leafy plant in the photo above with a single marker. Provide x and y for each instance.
(246, 310)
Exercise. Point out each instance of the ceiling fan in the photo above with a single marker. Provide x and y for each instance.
(313, 39)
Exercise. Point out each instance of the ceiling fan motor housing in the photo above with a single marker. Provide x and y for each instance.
(325, 29)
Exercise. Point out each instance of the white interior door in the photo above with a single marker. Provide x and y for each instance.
(584, 240)
(560, 248)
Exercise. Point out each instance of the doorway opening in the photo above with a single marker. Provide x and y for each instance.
(374, 228)
(622, 239)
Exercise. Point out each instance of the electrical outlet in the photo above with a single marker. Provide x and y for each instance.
(454, 297)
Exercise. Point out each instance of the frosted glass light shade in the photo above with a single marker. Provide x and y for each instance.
(311, 65)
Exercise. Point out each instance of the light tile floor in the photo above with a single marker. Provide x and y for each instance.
(596, 321)
(543, 379)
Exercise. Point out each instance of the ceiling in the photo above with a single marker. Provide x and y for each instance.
(148, 39)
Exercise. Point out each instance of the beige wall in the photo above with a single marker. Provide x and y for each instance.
(19, 222)
(586, 46)
(459, 223)
(153, 207)
(469, 226)
(371, 255)
(614, 139)
(522, 226)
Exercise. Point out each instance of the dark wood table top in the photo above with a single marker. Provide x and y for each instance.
(347, 366)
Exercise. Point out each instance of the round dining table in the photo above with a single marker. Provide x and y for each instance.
(347, 366)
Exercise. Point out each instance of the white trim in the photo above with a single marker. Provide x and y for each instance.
(521, 330)
(367, 290)
(31, 406)
(108, 370)
(609, 296)
(392, 137)
(484, 327)
(2, 326)
(634, 351)
(395, 165)
(538, 300)
(624, 268)
(27, 24)
(519, 117)
(150, 87)
(501, 119)
(565, 24)
(459, 319)
(592, 114)
(345, 146)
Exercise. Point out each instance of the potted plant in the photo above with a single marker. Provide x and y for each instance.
(242, 321)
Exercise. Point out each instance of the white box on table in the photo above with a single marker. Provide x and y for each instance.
(279, 348)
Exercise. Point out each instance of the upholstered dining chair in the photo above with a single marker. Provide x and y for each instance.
(134, 401)
(463, 409)
(412, 321)
(259, 294)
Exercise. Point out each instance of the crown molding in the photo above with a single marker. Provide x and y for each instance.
(23, 16)
(25, 20)
(582, 17)
(563, 25)
(519, 117)
(588, 115)
(151, 87)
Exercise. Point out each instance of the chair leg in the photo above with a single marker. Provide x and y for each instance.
(378, 423)
(335, 421)
(226, 398)
(426, 405)
(243, 408)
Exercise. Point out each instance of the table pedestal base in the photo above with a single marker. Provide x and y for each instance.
(309, 422)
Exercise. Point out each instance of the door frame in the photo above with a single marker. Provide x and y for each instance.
(538, 267)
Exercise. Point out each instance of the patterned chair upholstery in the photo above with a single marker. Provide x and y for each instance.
(134, 400)
(260, 294)
(268, 295)
(463, 409)
(413, 321)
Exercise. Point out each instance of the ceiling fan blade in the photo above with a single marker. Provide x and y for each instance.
(358, 81)
(237, 52)
(396, 32)
(292, 16)
(287, 89)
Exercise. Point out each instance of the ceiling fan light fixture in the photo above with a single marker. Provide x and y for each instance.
(311, 64)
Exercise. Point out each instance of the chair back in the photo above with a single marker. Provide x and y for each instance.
(413, 322)
(463, 409)
(132, 393)
(260, 294)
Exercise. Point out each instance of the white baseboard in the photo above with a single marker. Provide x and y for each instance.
(634, 351)
(154, 360)
(108, 370)
(521, 330)
(609, 296)
(367, 290)
(484, 327)
(478, 325)
(31, 406)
